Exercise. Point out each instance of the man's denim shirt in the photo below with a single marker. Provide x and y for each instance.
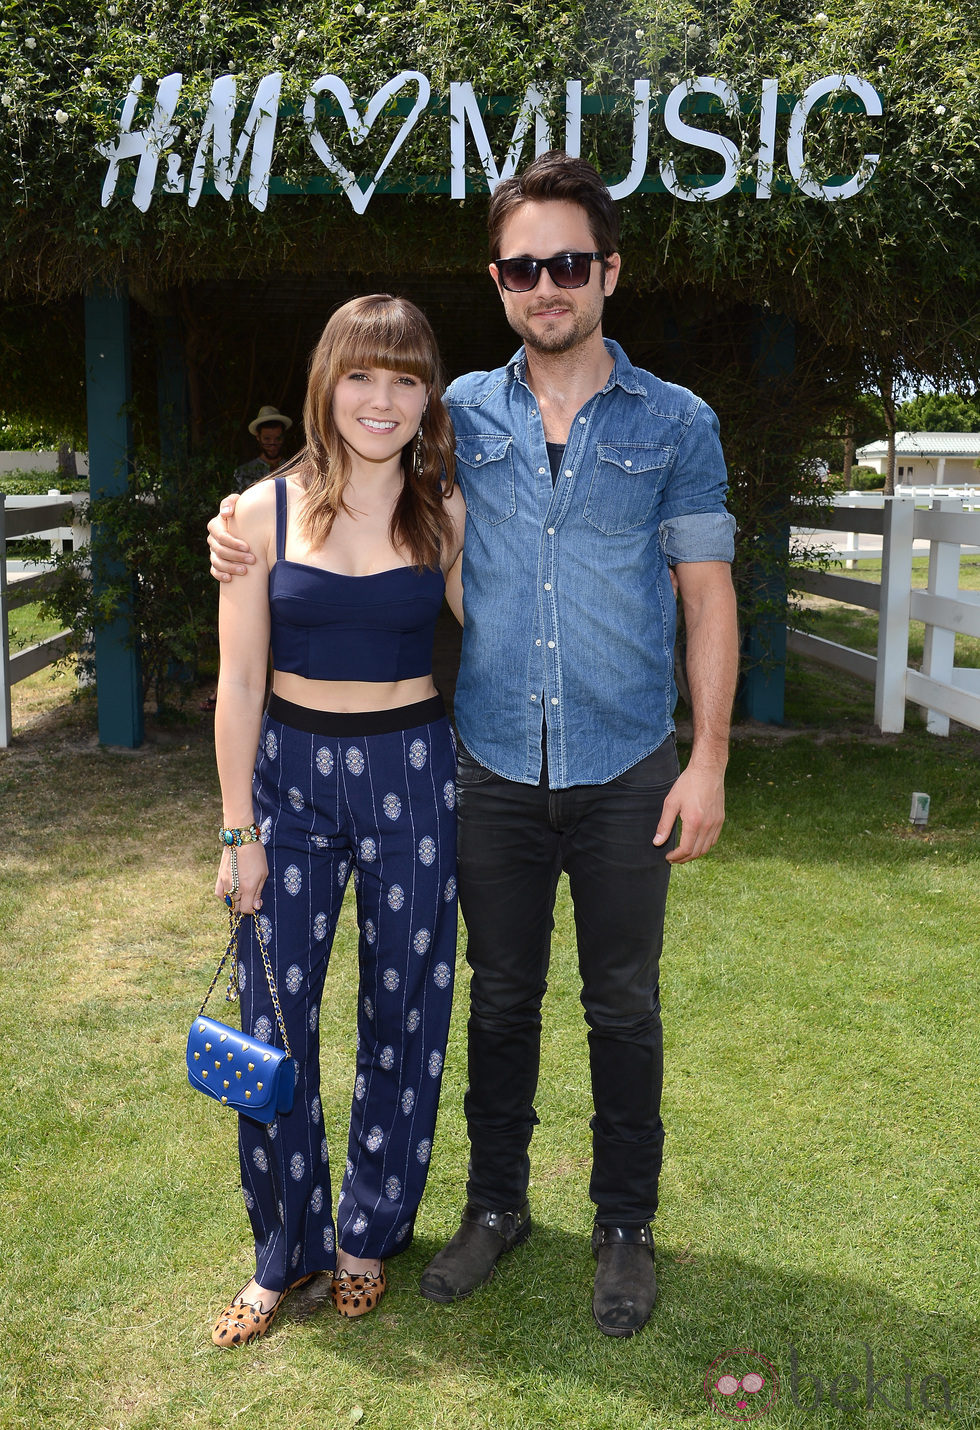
(567, 594)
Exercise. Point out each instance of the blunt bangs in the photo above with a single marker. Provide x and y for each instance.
(381, 331)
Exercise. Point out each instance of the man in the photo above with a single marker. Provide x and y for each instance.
(268, 429)
(588, 482)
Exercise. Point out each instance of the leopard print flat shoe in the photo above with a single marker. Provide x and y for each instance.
(355, 1295)
(243, 1321)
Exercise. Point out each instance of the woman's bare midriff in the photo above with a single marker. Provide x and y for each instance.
(351, 697)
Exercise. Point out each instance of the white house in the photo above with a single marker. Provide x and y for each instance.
(925, 459)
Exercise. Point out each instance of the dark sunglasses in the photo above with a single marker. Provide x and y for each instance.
(566, 270)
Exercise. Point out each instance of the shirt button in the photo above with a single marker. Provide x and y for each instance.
(538, 642)
(547, 585)
(628, 463)
(551, 645)
(581, 421)
(551, 531)
(554, 700)
(479, 458)
(534, 697)
(541, 471)
(568, 474)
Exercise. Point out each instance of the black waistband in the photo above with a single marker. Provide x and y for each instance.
(360, 722)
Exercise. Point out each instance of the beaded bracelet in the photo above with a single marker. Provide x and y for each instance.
(237, 837)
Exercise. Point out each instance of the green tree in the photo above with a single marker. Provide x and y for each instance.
(940, 412)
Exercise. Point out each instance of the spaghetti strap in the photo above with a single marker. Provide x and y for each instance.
(281, 518)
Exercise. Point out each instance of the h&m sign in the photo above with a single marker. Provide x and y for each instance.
(221, 153)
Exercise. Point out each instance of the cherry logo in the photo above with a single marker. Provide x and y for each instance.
(741, 1384)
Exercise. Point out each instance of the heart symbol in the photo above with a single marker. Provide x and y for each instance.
(360, 126)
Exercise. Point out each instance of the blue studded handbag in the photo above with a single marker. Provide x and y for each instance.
(241, 1073)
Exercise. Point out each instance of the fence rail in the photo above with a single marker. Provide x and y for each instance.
(946, 691)
(53, 518)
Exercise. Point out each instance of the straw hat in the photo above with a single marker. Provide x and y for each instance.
(269, 414)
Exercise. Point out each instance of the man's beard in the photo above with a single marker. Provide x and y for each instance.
(560, 340)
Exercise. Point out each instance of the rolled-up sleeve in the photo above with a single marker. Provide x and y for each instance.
(695, 524)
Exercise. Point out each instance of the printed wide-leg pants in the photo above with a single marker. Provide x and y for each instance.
(378, 807)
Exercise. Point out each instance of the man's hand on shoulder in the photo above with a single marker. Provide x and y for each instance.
(230, 555)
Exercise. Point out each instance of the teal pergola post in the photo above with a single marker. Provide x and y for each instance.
(108, 371)
(763, 694)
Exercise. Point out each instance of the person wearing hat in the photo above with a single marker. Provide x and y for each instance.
(268, 429)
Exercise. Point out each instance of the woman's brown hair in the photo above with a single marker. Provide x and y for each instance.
(378, 331)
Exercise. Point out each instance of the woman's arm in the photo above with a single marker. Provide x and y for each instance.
(243, 635)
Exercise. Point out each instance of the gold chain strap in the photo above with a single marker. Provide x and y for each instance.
(271, 982)
(234, 920)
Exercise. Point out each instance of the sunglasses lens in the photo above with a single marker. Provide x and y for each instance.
(520, 275)
(570, 270)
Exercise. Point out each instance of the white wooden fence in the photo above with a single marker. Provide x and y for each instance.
(54, 518)
(945, 691)
(925, 496)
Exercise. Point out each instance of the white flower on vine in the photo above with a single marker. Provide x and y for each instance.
(821, 19)
(301, 35)
(940, 109)
(113, 10)
(87, 72)
(6, 99)
(639, 34)
(358, 10)
(30, 43)
(694, 32)
(60, 116)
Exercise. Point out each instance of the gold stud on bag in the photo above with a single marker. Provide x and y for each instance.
(248, 1058)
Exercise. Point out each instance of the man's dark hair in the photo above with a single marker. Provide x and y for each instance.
(556, 175)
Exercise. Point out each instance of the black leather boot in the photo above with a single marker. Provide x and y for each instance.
(468, 1259)
(625, 1278)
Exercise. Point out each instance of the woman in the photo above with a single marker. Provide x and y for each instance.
(348, 773)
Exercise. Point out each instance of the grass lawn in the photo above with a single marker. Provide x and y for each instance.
(27, 626)
(819, 1199)
(858, 628)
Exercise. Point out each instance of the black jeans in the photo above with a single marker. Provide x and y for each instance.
(514, 841)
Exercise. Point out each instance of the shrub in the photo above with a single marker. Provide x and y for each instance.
(863, 479)
(866, 479)
(37, 483)
(148, 562)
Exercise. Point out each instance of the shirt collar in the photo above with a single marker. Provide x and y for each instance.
(623, 375)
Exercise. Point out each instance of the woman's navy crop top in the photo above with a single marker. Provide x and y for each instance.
(326, 626)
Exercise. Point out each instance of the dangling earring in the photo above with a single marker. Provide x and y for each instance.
(419, 456)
